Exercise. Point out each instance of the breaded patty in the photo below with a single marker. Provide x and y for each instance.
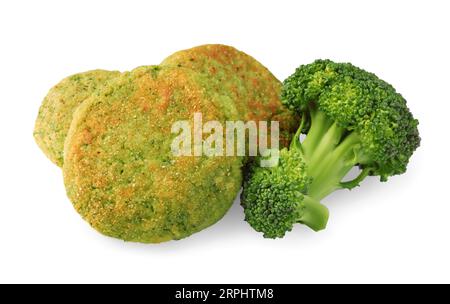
(55, 114)
(120, 172)
(250, 85)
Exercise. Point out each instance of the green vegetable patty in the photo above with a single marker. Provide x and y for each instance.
(120, 172)
(249, 85)
(55, 114)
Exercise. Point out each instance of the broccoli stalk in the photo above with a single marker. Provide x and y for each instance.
(330, 153)
(312, 213)
(351, 118)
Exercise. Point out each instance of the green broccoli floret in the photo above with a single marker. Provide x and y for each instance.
(274, 198)
(350, 118)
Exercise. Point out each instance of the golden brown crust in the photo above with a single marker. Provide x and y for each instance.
(55, 114)
(120, 172)
(253, 88)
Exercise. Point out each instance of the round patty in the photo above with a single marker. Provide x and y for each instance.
(251, 86)
(55, 114)
(120, 172)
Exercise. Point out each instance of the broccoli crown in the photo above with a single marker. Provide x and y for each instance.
(274, 198)
(352, 118)
(357, 101)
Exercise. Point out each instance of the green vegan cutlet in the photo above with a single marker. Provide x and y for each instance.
(112, 133)
(55, 114)
(119, 169)
(248, 84)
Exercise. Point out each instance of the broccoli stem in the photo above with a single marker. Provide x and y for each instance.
(329, 172)
(355, 183)
(319, 126)
(330, 153)
(327, 145)
(313, 214)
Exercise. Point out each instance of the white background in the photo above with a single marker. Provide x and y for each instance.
(393, 232)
